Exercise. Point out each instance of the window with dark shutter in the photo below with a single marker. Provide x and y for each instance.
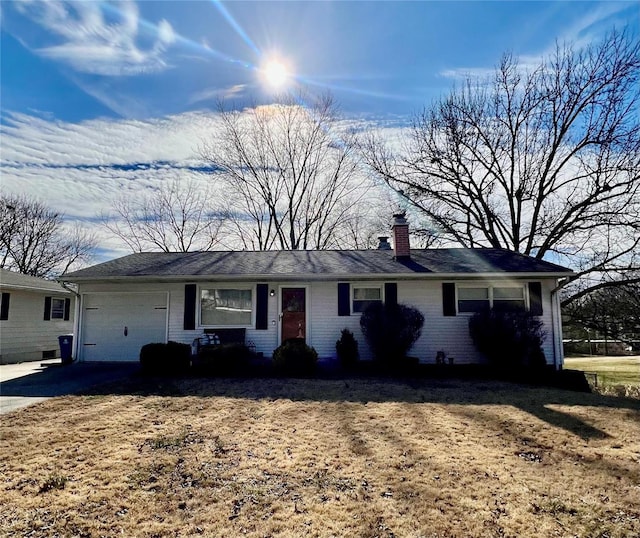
(67, 309)
(47, 308)
(4, 306)
(344, 299)
(535, 298)
(262, 307)
(448, 299)
(189, 307)
(391, 293)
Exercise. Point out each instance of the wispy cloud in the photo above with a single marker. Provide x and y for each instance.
(210, 94)
(100, 38)
(82, 168)
(584, 31)
(462, 73)
(598, 22)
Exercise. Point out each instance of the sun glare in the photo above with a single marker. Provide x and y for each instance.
(275, 74)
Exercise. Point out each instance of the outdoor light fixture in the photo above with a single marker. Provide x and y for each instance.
(272, 293)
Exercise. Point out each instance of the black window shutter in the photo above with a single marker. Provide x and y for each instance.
(535, 298)
(344, 299)
(448, 299)
(391, 293)
(47, 308)
(4, 307)
(67, 309)
(189, 307)
(262, 307)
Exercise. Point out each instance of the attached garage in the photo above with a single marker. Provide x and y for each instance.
(116, 325)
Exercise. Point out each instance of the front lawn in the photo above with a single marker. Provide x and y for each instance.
(610, 370)
(355, 457)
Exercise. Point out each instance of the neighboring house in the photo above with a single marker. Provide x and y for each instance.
(33, 313)
(275, 295)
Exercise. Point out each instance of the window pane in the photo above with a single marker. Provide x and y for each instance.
(225, 307)
(361, 306)
(363, 297)
(508, 305)
(366, 294)
(57, 308)
(473, 293)
(473, 305)
(508, 293)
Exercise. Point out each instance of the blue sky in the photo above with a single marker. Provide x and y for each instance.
(98, 97)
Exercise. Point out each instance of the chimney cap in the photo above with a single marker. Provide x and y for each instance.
(399, 218)
(384, 242)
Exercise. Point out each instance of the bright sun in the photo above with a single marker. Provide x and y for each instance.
(275, 74)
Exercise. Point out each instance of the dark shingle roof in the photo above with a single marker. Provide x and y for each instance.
(316, 264)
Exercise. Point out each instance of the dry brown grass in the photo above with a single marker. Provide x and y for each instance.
(611, 376)
(322, 458)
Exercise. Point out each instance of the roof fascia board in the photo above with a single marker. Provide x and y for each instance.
(321, 277)
(18, 287)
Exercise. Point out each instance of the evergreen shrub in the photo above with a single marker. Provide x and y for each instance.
(294, 357)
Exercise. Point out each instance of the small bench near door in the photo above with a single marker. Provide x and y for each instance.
(228, 336)
(217, 337)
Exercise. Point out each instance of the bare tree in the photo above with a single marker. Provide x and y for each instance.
(543, 161)
(35, 240)
(178, 217)
(289, 173)
(610, 312)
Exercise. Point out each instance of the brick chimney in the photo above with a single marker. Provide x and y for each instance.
(400, 229)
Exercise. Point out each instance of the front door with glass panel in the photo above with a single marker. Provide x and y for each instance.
(293, 315)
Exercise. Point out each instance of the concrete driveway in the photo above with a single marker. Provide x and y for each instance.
(32, 382)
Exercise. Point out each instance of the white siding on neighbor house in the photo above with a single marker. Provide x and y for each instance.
(447, 333)
(25, 335)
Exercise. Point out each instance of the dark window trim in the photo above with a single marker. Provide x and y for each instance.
(4, 307)
(189, 320)
(262, 307)
(344, 299)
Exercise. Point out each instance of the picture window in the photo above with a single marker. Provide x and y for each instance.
(226, 307)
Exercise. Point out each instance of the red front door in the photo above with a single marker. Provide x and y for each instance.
(294, 322)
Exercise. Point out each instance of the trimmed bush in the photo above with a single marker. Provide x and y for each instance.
(391, 330)
(510, 339)
(347, 349)
(224, 359)
(169, 358)
(295, 357)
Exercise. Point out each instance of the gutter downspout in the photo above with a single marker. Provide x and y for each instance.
(556, 323)
(76, 319)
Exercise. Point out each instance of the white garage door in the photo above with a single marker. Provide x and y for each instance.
(116, 325)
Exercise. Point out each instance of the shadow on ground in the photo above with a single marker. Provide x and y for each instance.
(60, 380)
(533, 399)
(126, 379)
